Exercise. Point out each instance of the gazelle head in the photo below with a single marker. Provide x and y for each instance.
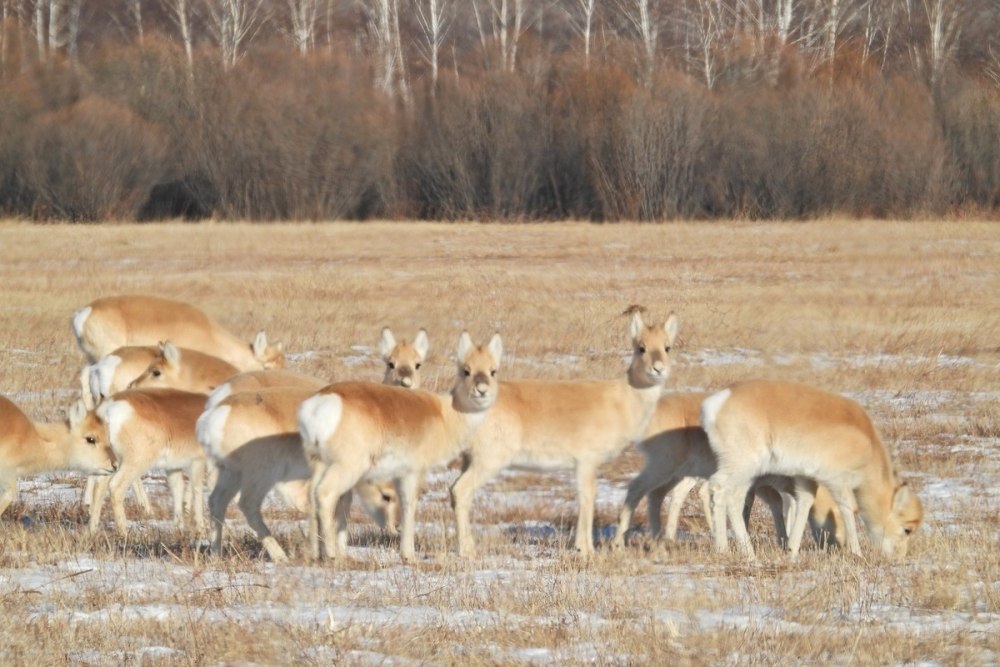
(270, 357)
(901, 523)
(162, 371)
(87, 441)
(650, 348)
(476, 385)
(403, 359)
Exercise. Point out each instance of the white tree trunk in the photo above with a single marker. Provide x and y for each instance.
(180, 14)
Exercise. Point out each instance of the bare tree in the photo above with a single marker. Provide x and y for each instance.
(643, 16)
(944, 18)
(233, 23)
(303, 16)
(55, 38)
(135, 11)
(504, 24)
(39, 26)
(434, 18)
(73, 29)
(180, 13)
(383, 27)
(707, 29)
(581, 19)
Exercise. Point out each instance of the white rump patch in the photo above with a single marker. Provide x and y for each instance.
(79, 320)
(218, 395)
(210, 429)
(710, 408)
(319, 417)
(102, 374)
(115, 414)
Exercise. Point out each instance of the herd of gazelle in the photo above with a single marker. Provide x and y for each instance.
(167, 388)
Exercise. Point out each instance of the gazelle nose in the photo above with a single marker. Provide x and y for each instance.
(406, 381)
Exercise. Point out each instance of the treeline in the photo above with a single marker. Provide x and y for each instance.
(544, 122)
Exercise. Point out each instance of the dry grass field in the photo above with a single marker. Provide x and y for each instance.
(903, 317)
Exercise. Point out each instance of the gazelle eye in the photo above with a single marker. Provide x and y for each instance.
(392, 366)
(908, 530)
(493, 373)
(417, 366)
(642, 349)
(666, 349)
(467, 372)
(91, 440)
(157, 373)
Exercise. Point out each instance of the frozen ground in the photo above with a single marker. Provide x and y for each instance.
(457, 597)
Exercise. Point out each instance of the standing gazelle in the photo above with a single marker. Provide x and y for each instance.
(253, 438)
(355, 430)
(152, 428)
(112, 322)
(29, 447)
(545, 425)
(766, 427)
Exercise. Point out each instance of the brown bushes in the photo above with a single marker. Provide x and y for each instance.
(281, 136)
(93, 160)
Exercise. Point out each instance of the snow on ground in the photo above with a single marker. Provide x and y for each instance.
(146, 583)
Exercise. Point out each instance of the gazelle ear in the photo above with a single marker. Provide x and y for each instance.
(76, 413)
(496, 348)
(670, 326)
(464, 346)
(902, 497)
(386, 343)
(421, 344)
(635, 323)
(170, 353)
(259, 346)
(86, 395)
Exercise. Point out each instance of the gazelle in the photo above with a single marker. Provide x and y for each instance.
(112, 322)
(354, 430)
(253, 438)
(187, 370)
(546, 425)
(114, 372)
(257, 380)
(152, 428)
(678, 456)
(766, 427)
(163, 365)
(29, 447)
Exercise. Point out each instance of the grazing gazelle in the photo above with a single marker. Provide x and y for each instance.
(678, 456)
(28, 447)
(152, 428)
(545, 425)
(187, 370)
(253, 438)
(114, 372)
(356, 430)
(764, 427)
(112, 322)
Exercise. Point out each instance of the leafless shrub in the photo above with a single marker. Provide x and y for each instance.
(94, 160)
(970, 117)
(480, 151)
(294, 149)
